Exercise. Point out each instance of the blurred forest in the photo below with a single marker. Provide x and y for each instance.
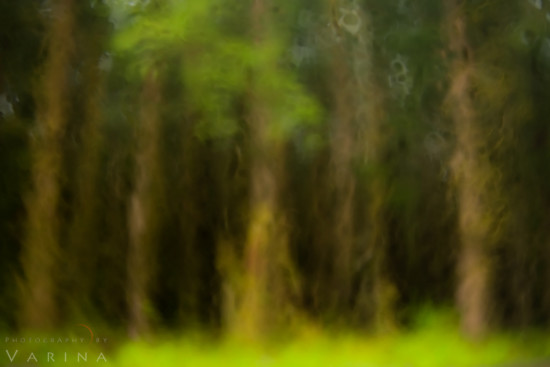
(246, 167)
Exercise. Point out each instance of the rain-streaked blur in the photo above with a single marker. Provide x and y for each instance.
(358, 182)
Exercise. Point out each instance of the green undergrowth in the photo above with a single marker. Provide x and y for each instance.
(423, 349)
(433, 342)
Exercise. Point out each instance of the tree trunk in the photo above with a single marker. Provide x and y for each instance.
(142, 217)
(358, 139)
(41, 249)
(266, 254)
(83, 233)
(343, 149)
(470, 172)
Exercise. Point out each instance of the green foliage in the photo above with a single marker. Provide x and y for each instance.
(219, 66)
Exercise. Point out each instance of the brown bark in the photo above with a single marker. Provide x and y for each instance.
(83, 232)
(343, 148)
(142, 216)
(266, 242)
(41, 250)
(266, 253)
(470, 173)
(358, 137)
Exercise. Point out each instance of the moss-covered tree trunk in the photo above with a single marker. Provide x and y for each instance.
(41, 256)
(266, 254)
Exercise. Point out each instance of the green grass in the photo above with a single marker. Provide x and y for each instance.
(434, 341)
(424, 349)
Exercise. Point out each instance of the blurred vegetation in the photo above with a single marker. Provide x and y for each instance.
(257, 171)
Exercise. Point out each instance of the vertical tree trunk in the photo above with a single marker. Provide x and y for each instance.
(142, 216)
(266, 257)
(373, 135)
(83, 233)
(40, 253)
(470, 173)
(358, 139)
(234, 195)
(343, 148)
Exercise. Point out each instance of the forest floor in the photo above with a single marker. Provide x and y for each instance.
(422, 349)
(434, 344)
